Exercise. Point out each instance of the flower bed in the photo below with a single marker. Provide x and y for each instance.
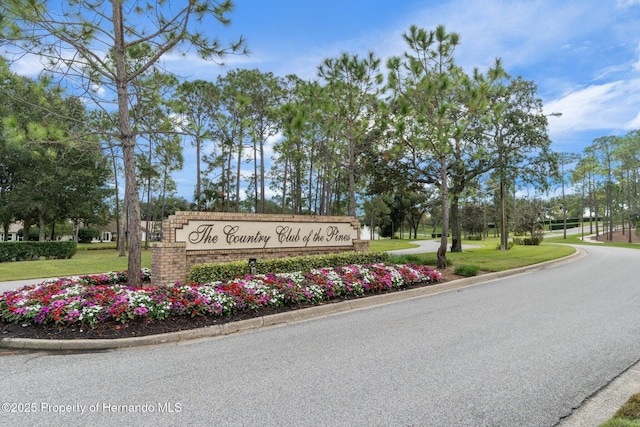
(104, 298)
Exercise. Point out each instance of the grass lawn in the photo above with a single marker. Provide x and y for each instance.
(83, 262)
(487, 257)
(628, 415)
(384, 245)
(574, 239)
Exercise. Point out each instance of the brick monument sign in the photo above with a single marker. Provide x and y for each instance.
(190, 238)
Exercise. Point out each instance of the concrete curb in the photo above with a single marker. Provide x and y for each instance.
(274, 319)
(603, 404)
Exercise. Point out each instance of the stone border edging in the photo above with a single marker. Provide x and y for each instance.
(277, 319)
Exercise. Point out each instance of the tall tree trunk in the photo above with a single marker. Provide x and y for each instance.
(352, 179)
(442, 250)
(456, 234)
(597, 208)
(43, 228)
(504, 228)
(284, 185)
(148, 214)
(227, 184)
(262, 191)
(610, 209)
(238, 174)
(591, 209)
(148, 211)
(312, 208)
(127, 140)
(198, 175)
(629, 202)
(26, 227)
(255, 176)
(120, 239)
(164, 199)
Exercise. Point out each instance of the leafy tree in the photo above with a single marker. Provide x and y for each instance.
(160, 209)
(265, 92)
(627, 154)
(53, 170)
(528, 219)
(170, 159)
(352, 84)
(471, 156)
(197, 103)
(473, 219)
(418, 209)
(565, 159)
(519, 143)
(231, 129)
(604, 148)
(586, 172)
(432, 95)
(376, 212)
(91, 42)
(303, 168)
(87, 234)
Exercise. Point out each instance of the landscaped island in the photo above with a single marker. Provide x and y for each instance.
(101, 306)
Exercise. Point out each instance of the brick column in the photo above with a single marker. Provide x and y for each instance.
(361, 245)
(168, 263)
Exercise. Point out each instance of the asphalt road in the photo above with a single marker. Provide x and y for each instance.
(519, 351)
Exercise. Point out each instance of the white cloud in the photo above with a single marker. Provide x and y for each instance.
(270, 142)
(635, 123)
(98, 89)
(192, 67)
(27, 65)
(627, 3)
(612, 105)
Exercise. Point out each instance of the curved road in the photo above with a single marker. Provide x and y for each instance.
(519, 351)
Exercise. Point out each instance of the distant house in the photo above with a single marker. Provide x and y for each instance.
(108, 233)
(13, 236)
(155, 230)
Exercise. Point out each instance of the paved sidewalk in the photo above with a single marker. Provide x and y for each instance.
(425, 246)
(15, 284)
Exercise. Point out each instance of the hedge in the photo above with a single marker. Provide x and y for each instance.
(26, 251)
(527, 241)
(206, 273)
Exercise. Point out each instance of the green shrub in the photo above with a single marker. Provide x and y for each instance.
(212, 272)
(434, 261)
(407, 259)
(416, 259)
(27, 251)
(527, 241)
(87, 234)
(467, 270)
(97, 246)
(509, 245)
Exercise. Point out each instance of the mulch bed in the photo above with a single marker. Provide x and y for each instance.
(618, 237)
(143, 327)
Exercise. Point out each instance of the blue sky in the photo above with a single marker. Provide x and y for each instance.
(584, 55)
